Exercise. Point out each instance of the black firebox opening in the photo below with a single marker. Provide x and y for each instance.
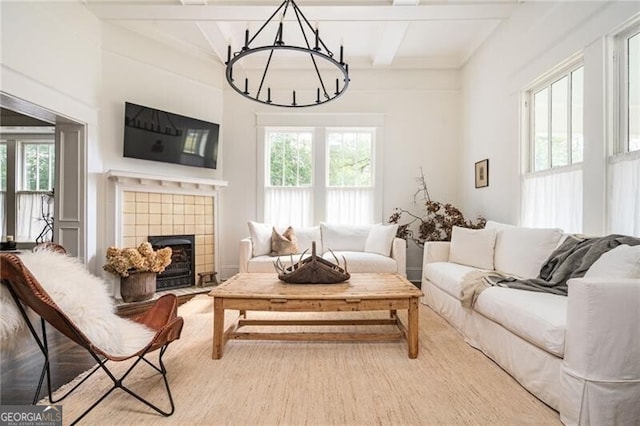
(181, 271)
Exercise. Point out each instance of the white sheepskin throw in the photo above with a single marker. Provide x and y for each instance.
(83, 298)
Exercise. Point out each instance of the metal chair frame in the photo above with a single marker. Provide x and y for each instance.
(101, 361)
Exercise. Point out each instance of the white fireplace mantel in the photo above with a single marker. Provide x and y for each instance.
(164, 183)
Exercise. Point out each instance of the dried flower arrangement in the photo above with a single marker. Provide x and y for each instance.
(125, 261)
(437, 222)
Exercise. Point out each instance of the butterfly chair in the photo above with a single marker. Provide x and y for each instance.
(161, 317)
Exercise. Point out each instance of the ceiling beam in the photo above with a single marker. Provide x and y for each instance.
(248, 13)
(392, 37)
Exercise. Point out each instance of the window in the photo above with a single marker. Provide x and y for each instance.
(350, 179)
(3, 189)
(37, 166)
(289, 177)
(552, 182)
(319, 174)
(628, 56)
(556, 117)
(624, 162)
(31, 157)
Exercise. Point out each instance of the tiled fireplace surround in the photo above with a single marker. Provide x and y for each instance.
(147, 205)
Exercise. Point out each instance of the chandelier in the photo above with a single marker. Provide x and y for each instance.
(321, 61)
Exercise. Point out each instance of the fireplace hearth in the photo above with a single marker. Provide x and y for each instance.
(181, 272)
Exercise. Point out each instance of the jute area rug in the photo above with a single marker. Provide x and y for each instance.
(312, 383)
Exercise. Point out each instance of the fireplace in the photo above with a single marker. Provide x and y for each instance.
(181, 271)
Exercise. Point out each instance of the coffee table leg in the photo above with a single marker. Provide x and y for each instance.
(412, 329)
(218, 328)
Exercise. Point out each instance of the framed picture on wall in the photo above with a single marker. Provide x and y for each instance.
(482, 173)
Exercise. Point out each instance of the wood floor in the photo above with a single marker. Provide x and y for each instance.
(20, 369)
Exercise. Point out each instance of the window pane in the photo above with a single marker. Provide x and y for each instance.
(30, 167)
(634, 92)
(577, 108)
(3, 167)
(289, 158)
(350, 158)
(43, 167)
(559, 122)
(541, 129)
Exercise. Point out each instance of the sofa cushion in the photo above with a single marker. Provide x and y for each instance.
(472, 247)
(522, 251)
(380, 239)
(260, 234)
(265, 263)
(620, 262)
(306, 236)
(447, 276)
(344, 237)
(358, 261)
(539, 318)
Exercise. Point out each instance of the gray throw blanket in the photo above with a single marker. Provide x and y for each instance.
(571, 259)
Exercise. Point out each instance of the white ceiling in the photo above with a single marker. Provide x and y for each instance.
(375, 33)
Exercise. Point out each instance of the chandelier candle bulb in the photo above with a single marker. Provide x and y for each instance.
(269, 95)
(337, 86)
(228, 54)
(318, 96)
(280, 42)
(341, 55)
(246, 86)
(294, 98)
(317, 39)
(246, 39)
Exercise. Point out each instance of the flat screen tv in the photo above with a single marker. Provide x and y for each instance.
(151, 134)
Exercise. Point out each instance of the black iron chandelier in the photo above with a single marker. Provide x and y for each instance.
(319, 57)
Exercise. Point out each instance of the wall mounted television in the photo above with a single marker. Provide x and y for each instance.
(152, 134)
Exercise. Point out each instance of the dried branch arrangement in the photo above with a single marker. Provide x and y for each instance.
(437, 221)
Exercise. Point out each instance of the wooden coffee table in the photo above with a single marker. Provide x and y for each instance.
(362, 292)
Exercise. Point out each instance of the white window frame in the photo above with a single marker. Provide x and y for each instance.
(572, 172)
(15, 138)
(623, 166)
(620, 132)
(320, 123)
(564, 70)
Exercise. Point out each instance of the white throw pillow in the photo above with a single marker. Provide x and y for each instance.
(380, 239)
(344, 237)
(306, 236)
(472, 247)
(620, 262)
(260, 238)
(522, 251)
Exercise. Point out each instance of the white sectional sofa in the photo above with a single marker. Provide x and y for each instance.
(371, 248)
(580, 353)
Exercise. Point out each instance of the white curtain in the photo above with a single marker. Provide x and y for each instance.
(30, 222)
(624, 194)
(288, 206)
(553, 199)
(3, 216)
(350, 206)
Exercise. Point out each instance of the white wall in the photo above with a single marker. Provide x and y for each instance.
(139, 70)
(421, 113)
(51, 58)
(537, 37)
